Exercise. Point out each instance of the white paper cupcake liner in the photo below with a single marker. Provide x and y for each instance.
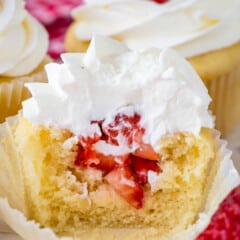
(4, 228)
(14, 209)
(28, 230)
(13, 92)
(225, 93)
(234, 144)
(226, 179)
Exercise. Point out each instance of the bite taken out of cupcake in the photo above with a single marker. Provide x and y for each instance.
(23, 47)
(206, 32)
(118, 145)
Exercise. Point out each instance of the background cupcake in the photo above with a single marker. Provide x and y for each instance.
(206, 32)
(23, 46)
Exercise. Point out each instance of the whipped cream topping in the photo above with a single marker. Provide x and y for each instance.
(190, 26)
(109, 79)
(23, 41)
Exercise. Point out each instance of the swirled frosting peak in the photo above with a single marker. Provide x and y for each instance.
(110, 79)
(190, 26)
(23, 41)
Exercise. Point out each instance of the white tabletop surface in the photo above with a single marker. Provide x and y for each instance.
(233, 144)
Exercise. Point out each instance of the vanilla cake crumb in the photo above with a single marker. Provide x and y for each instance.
(67, 198)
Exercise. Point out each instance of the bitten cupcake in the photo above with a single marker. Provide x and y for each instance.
(206, 32)
(107, 150)
(23, 46)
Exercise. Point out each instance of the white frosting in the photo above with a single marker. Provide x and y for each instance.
(190, 26)
(159, 85)
(23, 41)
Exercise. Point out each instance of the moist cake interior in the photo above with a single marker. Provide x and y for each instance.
(66, 197)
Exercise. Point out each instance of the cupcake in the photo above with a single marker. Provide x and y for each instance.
(108, 150)
(24, 44)
(206, 33)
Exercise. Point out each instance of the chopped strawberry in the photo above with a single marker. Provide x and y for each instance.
(146, 151)
(89, 141)
(123, 124)
(225, 223)
(86, 157)
(125, 173)
(142, 166)
(108, 162)
(122, 180)
(129, 127)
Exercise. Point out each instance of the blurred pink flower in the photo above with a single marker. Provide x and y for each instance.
(55, 16)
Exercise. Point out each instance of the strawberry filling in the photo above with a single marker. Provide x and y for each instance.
(123, 181)
(126, 173)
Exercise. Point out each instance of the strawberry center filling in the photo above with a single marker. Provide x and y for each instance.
(125, 171)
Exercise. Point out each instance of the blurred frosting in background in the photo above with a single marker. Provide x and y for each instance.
(55, 16)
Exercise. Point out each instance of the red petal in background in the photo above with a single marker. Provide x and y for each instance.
(55, 16)
(225, 223)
